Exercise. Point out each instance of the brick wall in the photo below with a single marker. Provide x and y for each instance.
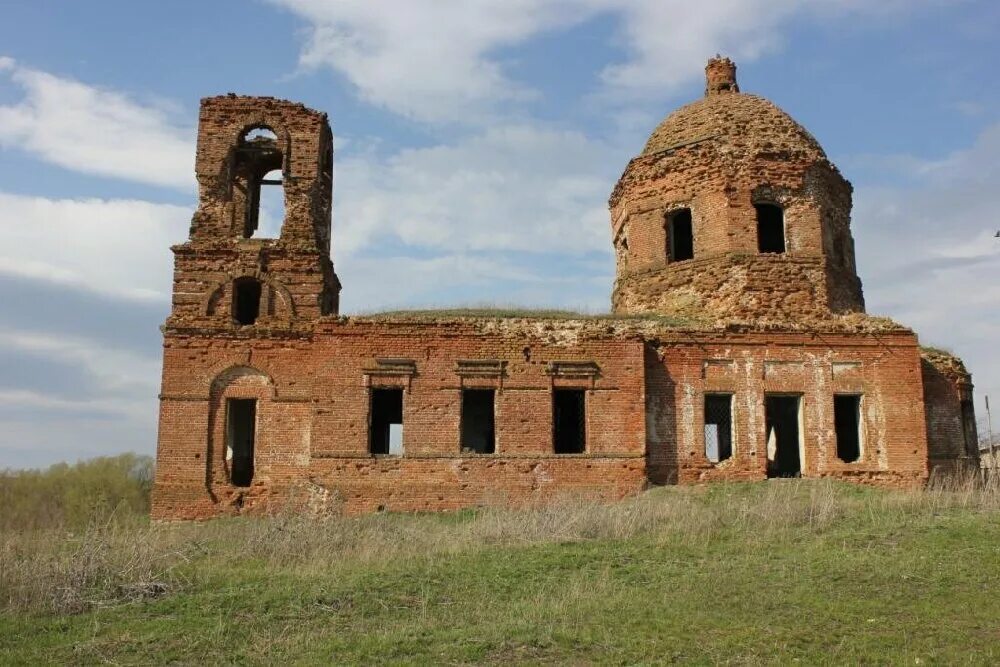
(313, 409)
(952, 439)
(884, 370)
(644, 410)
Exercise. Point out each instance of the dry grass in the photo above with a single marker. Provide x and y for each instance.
(121, 558)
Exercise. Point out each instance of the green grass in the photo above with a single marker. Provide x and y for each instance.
(816, 572)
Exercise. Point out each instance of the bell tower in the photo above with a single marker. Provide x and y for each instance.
(228, 274)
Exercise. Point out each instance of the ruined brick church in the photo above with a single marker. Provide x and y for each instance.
(737, 348)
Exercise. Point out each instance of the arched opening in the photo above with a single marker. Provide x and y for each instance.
(680, 236)
(241, 432)
(770, 228)
(258, 165)
(246, 300)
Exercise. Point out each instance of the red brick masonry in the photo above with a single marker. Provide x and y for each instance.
(729, 321)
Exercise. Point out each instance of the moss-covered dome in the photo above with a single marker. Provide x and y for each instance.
(745, 123)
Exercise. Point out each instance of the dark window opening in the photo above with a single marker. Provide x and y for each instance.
(680, 236)
(718, 427)
(969, 428)
(782, 428)
(241, 426)
(847, 423)
(569, 421)
(385, 430)
(328, 303)
(257, 165)
(478, 421)
(770, 228)
(246, 300)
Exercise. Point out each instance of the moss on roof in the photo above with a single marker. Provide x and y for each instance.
(944, 360)
(442, 314)
(512, 319)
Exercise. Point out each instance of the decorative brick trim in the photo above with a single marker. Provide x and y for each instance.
(573, 369)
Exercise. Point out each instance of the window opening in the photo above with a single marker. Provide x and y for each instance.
(257, 164)
(569, 421)
(847, 423)
(718, 427)
(782, 428)
(680, 235)
(478, 421)
(770, 228)
(271, 203)
(241, 426)
(969, 427)
(246, 300)
(257, 134)
(621, 249)
(385, 430)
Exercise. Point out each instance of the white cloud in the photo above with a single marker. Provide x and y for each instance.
(518, 187)
(95, 131)
(437, 60)
(114, 411)
(427, 60)
(928, 255)
(119, 372)
(114, 247)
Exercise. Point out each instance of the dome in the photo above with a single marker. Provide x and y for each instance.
(745, 123)
(733, 211)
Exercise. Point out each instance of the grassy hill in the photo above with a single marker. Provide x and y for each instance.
(809, 571)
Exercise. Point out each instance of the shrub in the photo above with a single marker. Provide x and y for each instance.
(71, 496)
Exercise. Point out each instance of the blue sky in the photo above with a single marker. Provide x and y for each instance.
(473, 138)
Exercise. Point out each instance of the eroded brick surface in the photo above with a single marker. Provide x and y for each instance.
(729, 321)
(718, 157)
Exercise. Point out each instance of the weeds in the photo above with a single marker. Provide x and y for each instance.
(119, 557)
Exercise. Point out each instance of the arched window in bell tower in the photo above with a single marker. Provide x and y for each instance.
(770, 228)
(680, 236)
(246, 300)
(257, 179)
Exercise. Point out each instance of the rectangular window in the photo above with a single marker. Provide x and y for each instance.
(385, 426)
(241, 427)
(718, 427)
(770, 228)
(681, 233)
(477, 429)
(246, 300)
(783, 439)
(847, 422)
(569, 421)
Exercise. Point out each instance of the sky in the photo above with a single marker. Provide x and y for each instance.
(476, 144)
